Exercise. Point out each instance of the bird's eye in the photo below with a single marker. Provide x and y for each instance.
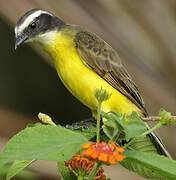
(33, 25)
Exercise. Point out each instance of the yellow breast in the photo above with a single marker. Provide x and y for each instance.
(80, 79)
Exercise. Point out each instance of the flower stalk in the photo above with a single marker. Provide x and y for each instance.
(101, 95)
(98, 121)
(94, 171)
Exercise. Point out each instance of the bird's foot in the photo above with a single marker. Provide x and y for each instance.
(84, 124)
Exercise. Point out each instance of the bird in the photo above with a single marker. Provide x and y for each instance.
(84, 63)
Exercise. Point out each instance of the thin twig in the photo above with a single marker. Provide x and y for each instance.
(154, 118)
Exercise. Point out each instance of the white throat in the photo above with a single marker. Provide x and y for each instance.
(44, 39)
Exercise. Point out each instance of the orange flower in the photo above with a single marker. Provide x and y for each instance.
(106, 153)
(81, 166)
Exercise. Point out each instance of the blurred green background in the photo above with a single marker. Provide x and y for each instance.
(144, 34)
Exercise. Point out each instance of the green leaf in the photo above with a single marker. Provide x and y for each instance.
(45, 142)
(25, 174)
(33, 125)
(64, 171)
(109, 131)
(131, 125)
(17, 167)
(150, 165)
(3, 161)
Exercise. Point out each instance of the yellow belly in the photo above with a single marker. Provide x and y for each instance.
(81, 80)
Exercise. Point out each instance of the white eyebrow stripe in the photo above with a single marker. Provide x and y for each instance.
(28, 20)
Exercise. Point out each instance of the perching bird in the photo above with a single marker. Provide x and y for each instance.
(85, 62)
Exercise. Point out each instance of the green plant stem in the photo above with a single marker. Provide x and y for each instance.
(94, 171)
(98, 121)
(157, 126)
(80, 178)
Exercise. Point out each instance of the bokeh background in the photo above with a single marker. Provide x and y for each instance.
(144, 34)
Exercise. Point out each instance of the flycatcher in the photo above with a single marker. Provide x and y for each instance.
(85, 62)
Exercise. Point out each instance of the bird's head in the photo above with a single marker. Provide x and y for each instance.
(37, 25)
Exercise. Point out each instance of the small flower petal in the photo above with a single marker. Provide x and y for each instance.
(86, 145)
(83, 166)
(103, 157)
(111, 160)
(103, 152)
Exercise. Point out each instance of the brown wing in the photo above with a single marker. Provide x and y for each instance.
(104, 60)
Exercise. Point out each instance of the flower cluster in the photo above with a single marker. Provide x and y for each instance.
(81, 166)
(102, 95)
(103, 152)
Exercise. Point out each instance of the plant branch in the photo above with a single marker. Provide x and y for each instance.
(151, 118)
(157, 118)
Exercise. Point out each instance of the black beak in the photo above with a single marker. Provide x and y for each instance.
(20, 40)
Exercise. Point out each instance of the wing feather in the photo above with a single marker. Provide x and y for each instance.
(104, 60)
